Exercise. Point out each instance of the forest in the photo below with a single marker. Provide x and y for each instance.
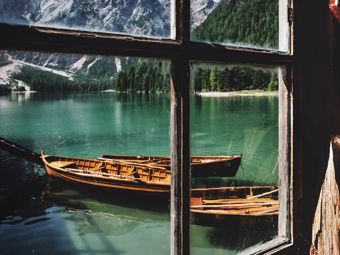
(147, 76)
(143, 76)
(45, 81)
(243, 22)
(234, 78)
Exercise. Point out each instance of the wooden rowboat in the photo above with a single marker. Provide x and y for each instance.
(116, 175)
(201, 166)
(150, 175)
(234, 205)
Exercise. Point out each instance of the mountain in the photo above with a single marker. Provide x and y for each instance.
(234, 21)
(136, 17)
(200, 9)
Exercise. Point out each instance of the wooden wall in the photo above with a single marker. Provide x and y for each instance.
(316, 116)
(326, 224)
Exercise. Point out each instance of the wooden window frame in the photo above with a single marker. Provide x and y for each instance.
(181, 51)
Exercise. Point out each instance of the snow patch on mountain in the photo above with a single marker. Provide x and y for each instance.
(78, 64)
(118, 63)
(53, 10)
(92, 63)
(5, 72)
(200, 9)
(47, 69)
(15, 66)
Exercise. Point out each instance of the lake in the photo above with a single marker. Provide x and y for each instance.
(54, 217)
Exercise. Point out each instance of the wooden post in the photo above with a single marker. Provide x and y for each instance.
(326, 226)
(180, 145)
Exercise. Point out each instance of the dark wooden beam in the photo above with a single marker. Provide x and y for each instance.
(180, 123)
(180, 157)
(20, 151)
(311, 91)
(26, 38)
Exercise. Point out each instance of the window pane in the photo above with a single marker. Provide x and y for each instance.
(234, 147)
(84, 107)
(242, 23)
(136, 17)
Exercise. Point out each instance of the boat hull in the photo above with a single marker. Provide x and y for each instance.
(201, 166)
(103, 179)
(235, 206)
(219, 168)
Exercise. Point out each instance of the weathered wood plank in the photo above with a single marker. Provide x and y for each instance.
(326, 226)
(180, 157)
(65, 41)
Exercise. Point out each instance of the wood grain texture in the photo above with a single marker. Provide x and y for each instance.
(180, 157)
(326, 226)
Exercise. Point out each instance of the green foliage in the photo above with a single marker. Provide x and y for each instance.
(4, 60)
(233, 78)
(273, 84)
(252, 22)
(4, 89)
(2, 57)
(147, 76)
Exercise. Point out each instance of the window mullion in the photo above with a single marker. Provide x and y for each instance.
(180, 122)
(183, 20)
(180, 157)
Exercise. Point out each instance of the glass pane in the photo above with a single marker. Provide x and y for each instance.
(133, 17)
(76, 106)
(234, 147)
(245, 23)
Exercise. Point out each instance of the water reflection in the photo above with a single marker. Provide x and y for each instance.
(83, 216)
(234, 232)
(235, 125)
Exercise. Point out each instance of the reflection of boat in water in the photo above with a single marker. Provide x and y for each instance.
(201, 166)
(234, 217)
(234, 205)
(90, 211)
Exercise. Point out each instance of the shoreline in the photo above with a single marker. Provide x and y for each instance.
(24, 92)
(243, 93)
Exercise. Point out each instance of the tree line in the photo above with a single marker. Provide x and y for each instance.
(234, 79)
(45, 81)
(150, 77)
(145, 77)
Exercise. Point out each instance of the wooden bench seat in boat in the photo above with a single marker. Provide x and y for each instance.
(63, 164)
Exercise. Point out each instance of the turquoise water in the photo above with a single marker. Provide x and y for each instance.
(60, 218)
